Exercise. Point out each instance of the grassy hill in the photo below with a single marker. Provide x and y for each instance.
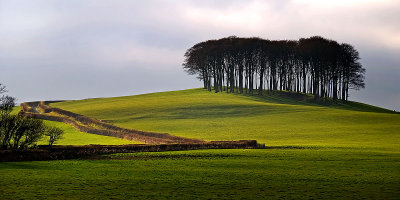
(350, 151)
(272, 119)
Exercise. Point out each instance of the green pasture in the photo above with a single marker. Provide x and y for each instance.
(348, 151)
(323, 173)
(271, 119)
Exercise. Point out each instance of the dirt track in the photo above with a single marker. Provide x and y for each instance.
(41, 110)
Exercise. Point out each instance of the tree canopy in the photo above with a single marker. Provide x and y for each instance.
(314, 65)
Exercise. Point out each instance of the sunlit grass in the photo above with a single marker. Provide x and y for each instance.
(273, 120)
(74, 137)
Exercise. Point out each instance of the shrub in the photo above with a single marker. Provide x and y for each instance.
(19, 132)
(54, 134)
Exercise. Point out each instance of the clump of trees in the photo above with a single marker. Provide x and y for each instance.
(312, 65)
(21, 132)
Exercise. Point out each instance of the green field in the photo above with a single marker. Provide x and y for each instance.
(74, 137)
(216, 174)
(273, 120)
(350, 152)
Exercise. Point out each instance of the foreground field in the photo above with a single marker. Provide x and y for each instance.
(325, 173)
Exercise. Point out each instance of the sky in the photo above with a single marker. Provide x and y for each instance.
(75, 49)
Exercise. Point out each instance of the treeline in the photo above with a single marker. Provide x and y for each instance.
(312, 65)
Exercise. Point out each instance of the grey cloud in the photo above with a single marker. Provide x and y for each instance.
(102, 48)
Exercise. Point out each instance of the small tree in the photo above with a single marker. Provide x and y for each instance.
(6, 121)
(54, 134)
(27, 132)
(17, 131)
(7, 103)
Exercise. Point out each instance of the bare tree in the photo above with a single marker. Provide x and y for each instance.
(2, 88)
(6, 102)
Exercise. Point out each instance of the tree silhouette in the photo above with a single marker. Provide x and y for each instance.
(17, 131)
(312, 65)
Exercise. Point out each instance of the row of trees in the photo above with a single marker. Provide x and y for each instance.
(312, 65)
(19, 132)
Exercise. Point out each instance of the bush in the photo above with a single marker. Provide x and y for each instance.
(54, 134)
(19, 132)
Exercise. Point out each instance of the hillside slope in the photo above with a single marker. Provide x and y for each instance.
(357, 155)
(274, 120)
(75, 137)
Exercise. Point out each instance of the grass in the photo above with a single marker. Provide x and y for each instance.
(274, 120)
(352, 151)
(325, 173)
(74, 137)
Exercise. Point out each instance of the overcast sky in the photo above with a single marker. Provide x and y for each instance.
(74, 49)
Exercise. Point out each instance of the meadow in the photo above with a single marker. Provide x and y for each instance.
(210, 174)
(343, 151)
(271, 119)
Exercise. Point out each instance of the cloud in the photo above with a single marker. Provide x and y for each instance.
(96, 37)
(354, 21)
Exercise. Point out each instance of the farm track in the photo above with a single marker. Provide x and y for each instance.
(41, 110)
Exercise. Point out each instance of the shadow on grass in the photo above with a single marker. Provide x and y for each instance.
(20, 165)
(293, 98)
(207, 111)
(168, 156)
